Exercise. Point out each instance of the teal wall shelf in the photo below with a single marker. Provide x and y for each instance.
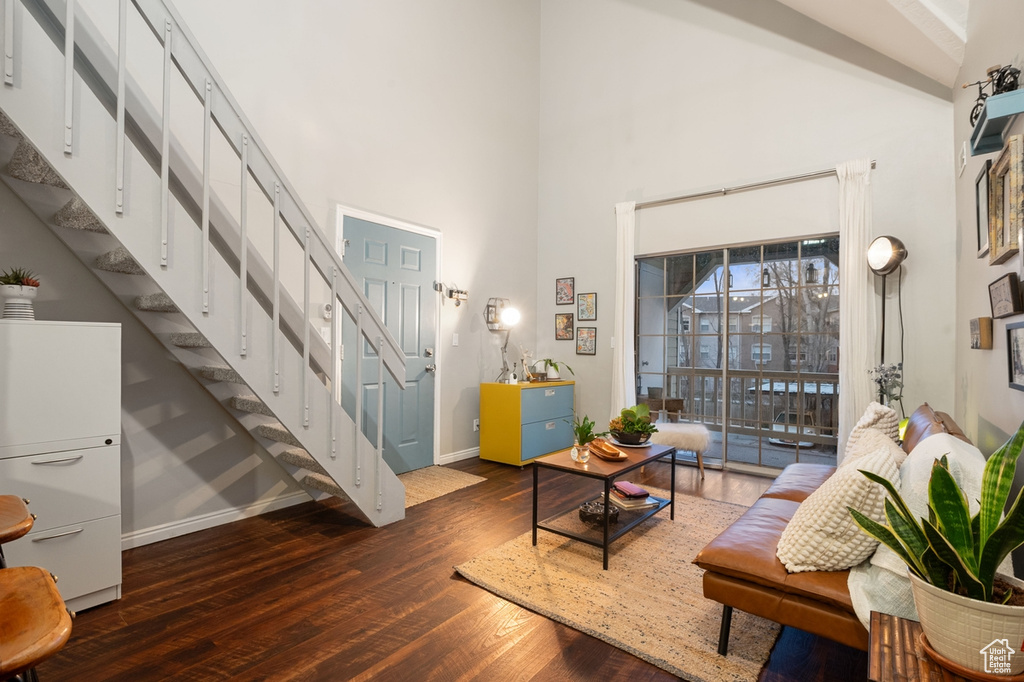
(996, 117)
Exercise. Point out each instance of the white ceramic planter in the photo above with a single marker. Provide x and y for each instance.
(18, 301)
(962, 629)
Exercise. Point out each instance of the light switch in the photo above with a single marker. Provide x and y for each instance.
(455, 339)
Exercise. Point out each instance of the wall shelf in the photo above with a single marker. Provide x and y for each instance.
(996, 117)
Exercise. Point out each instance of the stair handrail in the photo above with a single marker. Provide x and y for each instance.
(221, 108)
(192, 62)
(195, 67)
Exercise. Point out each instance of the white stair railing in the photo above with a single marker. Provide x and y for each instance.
(142, 138)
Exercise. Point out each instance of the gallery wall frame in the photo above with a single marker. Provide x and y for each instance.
(1015, 354)
(1004, 296)
(981, 333)
(565, 290)
(586, 307)
(1006, 188)
(563, 327)
(586, 340)
(981, 204)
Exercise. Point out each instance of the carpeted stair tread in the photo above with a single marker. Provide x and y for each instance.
(297, 457)
(8, 128)
(221, 373)
(250, 403)
(323, 483)
(189, 340)
(119, 260)
(77, 216)
(278, 433)
(155, 303)
(28, 165)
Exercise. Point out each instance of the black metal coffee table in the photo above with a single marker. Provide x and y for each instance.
(607, 472)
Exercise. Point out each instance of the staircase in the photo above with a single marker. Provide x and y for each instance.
(124, 188)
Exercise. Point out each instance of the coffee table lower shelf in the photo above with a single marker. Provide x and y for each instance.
(594, 535)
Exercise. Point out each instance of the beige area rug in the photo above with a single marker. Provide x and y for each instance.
(423, 485)
(648, 602)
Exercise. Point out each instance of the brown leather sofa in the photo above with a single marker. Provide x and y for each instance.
(741, 570)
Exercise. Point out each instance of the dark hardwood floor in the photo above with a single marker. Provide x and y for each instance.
(312, 593)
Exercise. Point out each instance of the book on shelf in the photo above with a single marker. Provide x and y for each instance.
(628, 490)
(634, 503)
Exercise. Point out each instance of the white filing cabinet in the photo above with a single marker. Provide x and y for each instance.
(60, 436)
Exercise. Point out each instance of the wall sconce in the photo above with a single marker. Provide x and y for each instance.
(452, 291)
(501, 317)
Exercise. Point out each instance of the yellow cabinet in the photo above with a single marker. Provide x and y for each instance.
(519, 422)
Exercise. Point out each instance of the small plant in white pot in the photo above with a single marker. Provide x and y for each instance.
(952, 557)
(18, 287)
(552, 368)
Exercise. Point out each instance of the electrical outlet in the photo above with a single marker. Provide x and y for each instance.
(476, 424)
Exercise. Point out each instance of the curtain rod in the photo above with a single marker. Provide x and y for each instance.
(738, 188)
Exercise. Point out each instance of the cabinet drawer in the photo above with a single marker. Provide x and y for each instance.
(540, 438)
(66, 487)
(545, 402)
(86, 557)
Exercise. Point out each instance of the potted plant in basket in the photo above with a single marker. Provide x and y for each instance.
(633, 426)
(18, 287)
(952, 557)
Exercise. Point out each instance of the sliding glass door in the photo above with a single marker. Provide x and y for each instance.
(745, 340)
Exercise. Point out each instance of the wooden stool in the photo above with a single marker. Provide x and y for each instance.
(35, 623)
(692, 437)
(15, 521)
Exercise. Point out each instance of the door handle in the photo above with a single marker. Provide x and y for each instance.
(431, 368)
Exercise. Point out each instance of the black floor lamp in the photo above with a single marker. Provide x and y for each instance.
(885, 255)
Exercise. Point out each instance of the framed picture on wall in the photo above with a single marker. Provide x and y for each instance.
(1004, 296)
(1015, 351)
(564, 290)
(563, 326)
(586, 340)
(981, 202)
(981, 333)
(586, 307)
(1005, 190)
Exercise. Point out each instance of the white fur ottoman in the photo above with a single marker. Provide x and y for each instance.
(692, 437)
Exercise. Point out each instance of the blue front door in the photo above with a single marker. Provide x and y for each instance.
(396, 269)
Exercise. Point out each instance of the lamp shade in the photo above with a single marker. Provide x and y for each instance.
(885, 255)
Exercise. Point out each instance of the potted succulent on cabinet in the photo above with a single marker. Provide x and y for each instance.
(952, 557)
(633, 426)
(18, 287)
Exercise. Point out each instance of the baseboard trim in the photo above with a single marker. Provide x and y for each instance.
(452, 457)
(174, 529)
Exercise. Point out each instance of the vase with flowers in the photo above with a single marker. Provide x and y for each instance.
(633, 426)
(18, 288)
(889, 379)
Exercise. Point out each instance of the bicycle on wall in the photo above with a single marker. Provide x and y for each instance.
(1001, 78)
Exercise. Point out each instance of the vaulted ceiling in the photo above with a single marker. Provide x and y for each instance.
(925, 35)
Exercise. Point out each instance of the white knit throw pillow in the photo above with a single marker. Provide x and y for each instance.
(877, 416)
(822, 535)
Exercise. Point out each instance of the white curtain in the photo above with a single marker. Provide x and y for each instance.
(856, 303)
(623, 369)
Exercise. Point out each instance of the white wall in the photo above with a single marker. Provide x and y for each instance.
(986, 408)
(646, 99)
(426, 112)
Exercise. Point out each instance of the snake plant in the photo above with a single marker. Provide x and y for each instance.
(952, 549)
